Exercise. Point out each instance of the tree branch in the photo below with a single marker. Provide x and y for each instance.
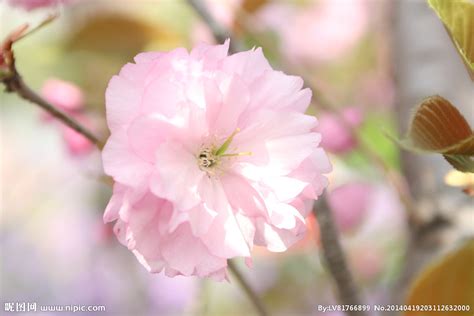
(334, 257)
(247, 289)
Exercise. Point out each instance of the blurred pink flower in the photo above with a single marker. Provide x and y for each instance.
(224, 11)
(65, 95)
(30, 5)
(211, 154)
(336, 135)
(77, 144)
(68, 98)
(368, 210)
(331, 28)
(349, 204)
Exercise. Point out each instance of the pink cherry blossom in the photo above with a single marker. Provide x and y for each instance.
(363, 210)
(65, 95)
(349, 204)
(211, 155)
(337, 137)
(76, 143)
(331, 28)
(68, 98)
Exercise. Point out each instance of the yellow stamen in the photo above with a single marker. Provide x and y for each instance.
(246, 153)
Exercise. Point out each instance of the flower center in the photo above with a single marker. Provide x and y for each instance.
(210, 158)
(207, 158)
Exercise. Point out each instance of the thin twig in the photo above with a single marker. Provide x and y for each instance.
(247, 289)
(13, 82)
(335, 259)
(50, 18)
(17, 85)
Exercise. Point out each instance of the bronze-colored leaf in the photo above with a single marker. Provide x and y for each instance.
(252, 6)
(112, 34)
(448, 283)
(437, 126)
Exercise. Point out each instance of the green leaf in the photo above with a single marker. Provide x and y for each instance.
(449, 281)
(458, 18)
(438, 127)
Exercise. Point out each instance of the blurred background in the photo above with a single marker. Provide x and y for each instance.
(370, 61)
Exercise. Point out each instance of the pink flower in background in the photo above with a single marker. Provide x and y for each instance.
(211, 154)
(337, 137)
(30, 5)
(363, 210)
(76, 143)
(331, 28)
(349, 204)
(224, 11)
(68, 98)
(65, 95)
